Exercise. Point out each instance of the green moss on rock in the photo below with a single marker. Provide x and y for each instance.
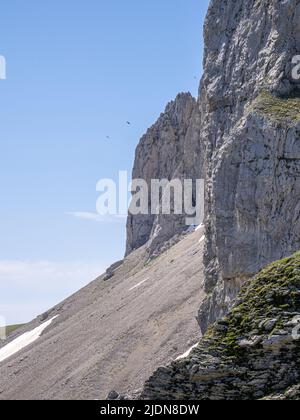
(272, 293)
(279, 109)
(252, 353)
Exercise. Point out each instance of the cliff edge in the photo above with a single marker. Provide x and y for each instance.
(171, 149)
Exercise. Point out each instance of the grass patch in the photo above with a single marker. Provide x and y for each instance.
(11, 328)
(273, 291)
(280, 109)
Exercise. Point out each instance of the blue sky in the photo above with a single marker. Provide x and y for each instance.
(76, 72)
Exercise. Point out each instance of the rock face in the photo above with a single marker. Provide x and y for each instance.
(244, 133)
(253, 353)
(171, 149)
(250, 122)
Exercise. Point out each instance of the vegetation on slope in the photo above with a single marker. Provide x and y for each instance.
(11, 328)
(253, 353)
(265, 304)
(280, 109)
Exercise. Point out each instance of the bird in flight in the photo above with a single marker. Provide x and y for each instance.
(128, 122)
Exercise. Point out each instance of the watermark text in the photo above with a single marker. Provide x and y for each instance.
(153, 197)
(2, 68)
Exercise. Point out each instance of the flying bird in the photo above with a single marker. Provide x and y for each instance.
(128, 122)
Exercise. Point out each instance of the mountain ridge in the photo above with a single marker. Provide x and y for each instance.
(242, 134)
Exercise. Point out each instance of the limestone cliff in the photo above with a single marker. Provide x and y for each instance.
(247, 124)
(171, 149)
(250, 122)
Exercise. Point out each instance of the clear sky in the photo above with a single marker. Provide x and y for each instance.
(76, 72)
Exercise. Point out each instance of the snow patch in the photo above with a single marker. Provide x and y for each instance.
(199, 227)
(139, 284)
(23, 341)
(186, 354)
(202, 239)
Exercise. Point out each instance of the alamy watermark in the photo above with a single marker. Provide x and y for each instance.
(157, 196)
(2, 68)
(296, 67)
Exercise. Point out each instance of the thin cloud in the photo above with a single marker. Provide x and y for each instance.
(28, 288)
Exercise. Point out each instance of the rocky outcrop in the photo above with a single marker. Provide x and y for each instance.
(110, 272)
(253, 353)
(290, 394)
(111, 334)
(171, 149)
(250, 122)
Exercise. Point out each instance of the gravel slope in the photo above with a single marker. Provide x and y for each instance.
(114, 334)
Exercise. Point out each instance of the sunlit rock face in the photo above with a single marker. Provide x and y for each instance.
(243, 136)
(250, 123)
(170, 149)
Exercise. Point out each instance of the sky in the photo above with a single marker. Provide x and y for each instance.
(77, 71)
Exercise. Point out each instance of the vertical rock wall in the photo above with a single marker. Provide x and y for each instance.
(170, 149)
(250, 122)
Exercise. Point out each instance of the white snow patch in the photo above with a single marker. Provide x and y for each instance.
(186, 354)
(139, 284)
(199, 227)
(23, 341)
(202, 239)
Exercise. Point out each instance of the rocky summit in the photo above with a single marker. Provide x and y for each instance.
(171, 149)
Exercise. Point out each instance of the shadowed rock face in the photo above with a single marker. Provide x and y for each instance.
(250, 122)
(170, 149)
